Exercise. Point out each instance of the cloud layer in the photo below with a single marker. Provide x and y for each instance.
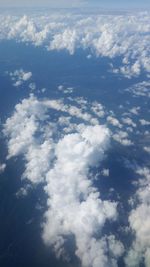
(125, 36)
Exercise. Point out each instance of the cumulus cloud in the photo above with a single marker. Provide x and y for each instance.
(122, 138)
(135, 110)
(139, 222)
(72, 197)
(18, 77)
(63, 161)
(128, 121)
(114, 121)
(98, 109)
(105, 172)
(144, 122)
(126, 36)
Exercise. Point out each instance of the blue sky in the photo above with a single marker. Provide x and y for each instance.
(77, 3)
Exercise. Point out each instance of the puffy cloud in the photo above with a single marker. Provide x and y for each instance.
(26, 76)
(19, 77)
(114, 121)
(74, 205)
(63, 161)
(126, 36)
(130, 70)
(122, 138)
(128, 121)
(39, 160)
(98, 109)
(66, 40)
(135, 110)
(144, 122)
(139, 222)
(22, 126)
(105, 172)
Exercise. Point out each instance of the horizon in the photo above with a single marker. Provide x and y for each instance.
(63, 4)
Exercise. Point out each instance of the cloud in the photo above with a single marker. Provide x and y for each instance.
(139, 222)
(98, 109)
(68, 90)
(135, 110)
(144, 122)
(66, 40)
(62, 162)
(2, 167)
(114, 121)
(72, 110)
(105, 172)
(128, 121)
(141, 89)
(74, 205)
(125, 36)
(19, 77)
(122, 138)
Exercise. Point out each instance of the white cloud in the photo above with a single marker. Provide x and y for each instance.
(66, 40)
(106, 36)
(139, 222)
(144, 122)
(68, 90)
(19, 77)
(63, 162)
(72, 110)
(26, 76)
(39, 160)
(105, 172)
(74, 205)
(114, 121)
(131, 70)
(128, 121)
(135, 110)
(98, 109)
(122, 138)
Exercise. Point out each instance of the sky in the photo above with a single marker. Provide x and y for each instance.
(77, 3)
